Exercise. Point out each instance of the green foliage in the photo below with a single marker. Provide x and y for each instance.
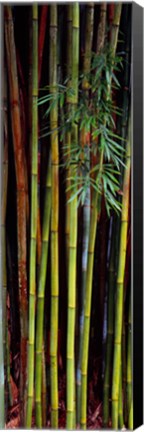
(93, 114)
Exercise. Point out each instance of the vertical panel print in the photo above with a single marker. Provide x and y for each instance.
(71, 103)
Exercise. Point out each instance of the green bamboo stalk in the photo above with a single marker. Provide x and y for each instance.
(89, 273)
(123, 125)
(110, 330)
(41, 296)
(115, 28)
(33, 233)
(74, 402)
(124, 368)
(86, 207)
(129, 373)
(92, 237)
(109, 344)
(68, 134)
(120, 287)
(54, 222)
(120, 403)
(44, 389)
(21, 195)
(87, 308)
(70, 385)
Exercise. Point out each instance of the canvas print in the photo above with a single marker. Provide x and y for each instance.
(66, 354)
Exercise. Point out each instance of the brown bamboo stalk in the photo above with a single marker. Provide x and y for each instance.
(21, 193)
(3, 239)
(23, 128)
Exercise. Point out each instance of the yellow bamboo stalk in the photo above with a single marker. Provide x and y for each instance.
(120, 285)
(41, 297)
(54, 222)
(129, 372)
(70, 385)
(33, 233)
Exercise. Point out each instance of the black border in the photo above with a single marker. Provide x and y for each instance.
(137, 217)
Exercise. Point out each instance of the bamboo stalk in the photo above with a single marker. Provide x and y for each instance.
(124, 367)
(41, 296)
(70, 385)
(115, 28)
(93, 229)
(44, 389)
(86, 207)
(101, 27)
(3, 282)
(23, 102)
(54, 222)
(4, 207)
(120, 403)
(102, 268)
(6, 352)
(33, 233)
(123, 124)
(40, 50)
(29, 91)
(120, 287)
(87, 308)
(8, 374)
(68, 134)
(41, 40)
(21, 193)
(89, 273)
(23, 127)
(42, 32)
(110, 330)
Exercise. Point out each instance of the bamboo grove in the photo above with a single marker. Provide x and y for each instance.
(65, 303)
